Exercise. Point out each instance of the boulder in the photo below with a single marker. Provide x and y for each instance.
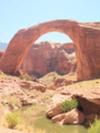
(72, 117)
(59, 118)
(54, 111)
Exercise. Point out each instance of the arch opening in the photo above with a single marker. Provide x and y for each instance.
(54, 37)
(51, 52)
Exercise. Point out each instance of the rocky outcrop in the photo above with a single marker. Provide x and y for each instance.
(47, 57)
(73, 116)
(85, 36)
(16, 92)
(88, 107)
(33, 85)
(54, 111)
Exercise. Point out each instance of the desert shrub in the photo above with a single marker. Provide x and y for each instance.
(12, 119)
(68, 105)
(26, 77)
(95, 127)
(49, 78)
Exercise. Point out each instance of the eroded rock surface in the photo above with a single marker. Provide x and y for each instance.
(72, 117)
(16, 92)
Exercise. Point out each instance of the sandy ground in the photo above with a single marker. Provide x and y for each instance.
(6, 130)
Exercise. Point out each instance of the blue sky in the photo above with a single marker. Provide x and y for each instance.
(17, 14)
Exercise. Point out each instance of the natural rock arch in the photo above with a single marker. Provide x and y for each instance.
(86, 37)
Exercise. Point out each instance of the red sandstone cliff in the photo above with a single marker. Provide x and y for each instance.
(1, 53)
(85, 36)
(47, 57)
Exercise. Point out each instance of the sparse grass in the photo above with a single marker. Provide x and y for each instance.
(86, 84)
(38, 131)
(68, 105)
(12, 119)
(26, 77)
(12, 101)
(95, 127)
(2, 74)
(70, 76)
(23, 119)
(49, 78)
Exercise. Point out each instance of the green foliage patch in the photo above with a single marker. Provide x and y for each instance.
(68, 105)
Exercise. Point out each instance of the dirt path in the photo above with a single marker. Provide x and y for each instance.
(6, 130)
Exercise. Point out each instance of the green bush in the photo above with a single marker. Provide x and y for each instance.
(12, 118)
(95, 127)
(69, 105)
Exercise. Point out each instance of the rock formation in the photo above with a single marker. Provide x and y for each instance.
(1, 53)
(47, 57)
(88, 107)
(85, 36)
(72, 117)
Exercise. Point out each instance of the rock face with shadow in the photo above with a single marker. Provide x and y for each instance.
(85, 36)
(47, 57)
(88, 105)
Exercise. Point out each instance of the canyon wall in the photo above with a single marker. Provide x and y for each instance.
(48, 57)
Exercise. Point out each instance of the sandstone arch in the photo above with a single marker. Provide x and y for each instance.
(86, 37)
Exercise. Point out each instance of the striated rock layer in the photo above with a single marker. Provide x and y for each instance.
(85, 36)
